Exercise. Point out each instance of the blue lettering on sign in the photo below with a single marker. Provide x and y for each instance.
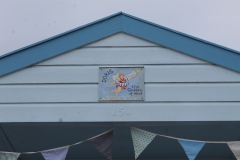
(106, 74)
(135, 90)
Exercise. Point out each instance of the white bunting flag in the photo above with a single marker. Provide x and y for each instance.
(141, 139)
(56, 154)
(235, 147)
(9, 155)
(191, 148)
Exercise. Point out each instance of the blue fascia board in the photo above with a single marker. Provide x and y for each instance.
(59, 44)
(119, 22)
(177, 32)
(62, 34)
(183, 43)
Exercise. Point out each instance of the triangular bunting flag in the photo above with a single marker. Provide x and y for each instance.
(9, 155)
(141, 140)
(56, 154)
(103, 144)
(235, 147)
(191, 148)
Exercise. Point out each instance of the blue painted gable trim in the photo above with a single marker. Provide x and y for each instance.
(49, 48)
(183, 43)
(119, 22)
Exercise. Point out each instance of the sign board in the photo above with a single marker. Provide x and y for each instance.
(121, 84)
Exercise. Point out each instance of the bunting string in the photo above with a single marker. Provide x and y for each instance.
(67, 145)
(161, 135)
(141, 139)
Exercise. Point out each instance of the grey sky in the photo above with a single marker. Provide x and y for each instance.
(28, 21)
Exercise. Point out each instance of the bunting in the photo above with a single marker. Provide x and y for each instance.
(191, 148)
(235, 148)
(56, 154)
(141, 139)
(9, 155)
(103, 144)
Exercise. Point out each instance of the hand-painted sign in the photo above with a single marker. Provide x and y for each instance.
(121, 84)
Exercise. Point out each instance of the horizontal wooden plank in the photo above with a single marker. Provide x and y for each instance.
(89, 74)
(125, 55)
(121, 39)
(171, 92)
(190, 73)
(48, 93)
(53, 74)
(119, 112)
(193, 92)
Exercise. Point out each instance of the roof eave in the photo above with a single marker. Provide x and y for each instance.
(59, 44)
(119, 22)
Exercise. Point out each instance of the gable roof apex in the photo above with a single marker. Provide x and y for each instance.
(62, 34)
(115, 23)
(181, 33)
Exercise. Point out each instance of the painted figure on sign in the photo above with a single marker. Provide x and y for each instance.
(121, 81)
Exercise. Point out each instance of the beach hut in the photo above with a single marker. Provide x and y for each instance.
(117, 73)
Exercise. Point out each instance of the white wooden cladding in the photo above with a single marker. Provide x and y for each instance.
(172, 92)
(121, 56)
(153, 73)
(178, 87)
(118, 112)
(121, 39)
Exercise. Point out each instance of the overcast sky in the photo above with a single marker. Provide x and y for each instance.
(24, 22)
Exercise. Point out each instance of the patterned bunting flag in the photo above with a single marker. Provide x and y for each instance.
(191, 148)
(56, 154)
(103, 144)
(235, 147)
(141, 139)
(9, 155)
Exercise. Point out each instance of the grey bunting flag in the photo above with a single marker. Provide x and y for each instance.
(235, 147)
(141, 139)
(103, 144)
(9, 155)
